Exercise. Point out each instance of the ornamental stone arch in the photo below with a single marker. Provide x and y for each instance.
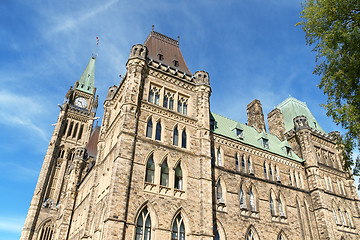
(221, 182)
(282, 236)
(251, 233)
(219, 231)
(154, 217)
(185, 219)
(46, 229)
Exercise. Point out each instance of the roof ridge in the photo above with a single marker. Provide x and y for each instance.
(162, 37)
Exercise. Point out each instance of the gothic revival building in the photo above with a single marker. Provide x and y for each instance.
(162, 166)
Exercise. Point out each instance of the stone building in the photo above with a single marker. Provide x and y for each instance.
(162, 166)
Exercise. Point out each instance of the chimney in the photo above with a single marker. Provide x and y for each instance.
(276, 123)
(255, 115)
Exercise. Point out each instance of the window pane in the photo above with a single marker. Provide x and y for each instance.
(178, 177)
(179, 107)
(151, 96)
(164, 181)
(149, 129)
(171, 104)
(165, 101)
(185, 108)
(158, 131)
(176, 137)
(183, 140)
(157, 98)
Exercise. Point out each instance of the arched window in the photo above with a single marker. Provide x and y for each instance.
(149, 128)
(47, 231)
(330, 184)
(290, 178)
(282, 236)
(178, 229)
(250, 235)
(219, 162)
(277, 175)
(243, 164)
(164, 178)
(252, 200)
(335, 216)
(143, 226)
(178, 178)
(281, 208)
(348, 219)
(250, 169)
(265, 172)
(272, 209)
(176, 137)
(183, 139)
(150, 170)
(158, 131)
(217, 235)
(237, 163)
(325, 181)
(295, 179)
(341, 217)
(219, 193)
(242, 198)
(271, 173)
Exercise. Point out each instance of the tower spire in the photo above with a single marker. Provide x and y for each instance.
(87, 79)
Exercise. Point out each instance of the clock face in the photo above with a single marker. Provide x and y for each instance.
(80, 102)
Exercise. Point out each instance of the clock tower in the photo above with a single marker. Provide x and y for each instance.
(67, 151)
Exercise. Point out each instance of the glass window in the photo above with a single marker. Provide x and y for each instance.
(183, 139)
(239, 133)
(348, 218)
(164, 179)
(178, 178)
(242, 198)
(271, 173)
(237, 163)
(151, 96)
(335, 216)
(341, 217)
(158, 131)
(272, 209)
(176, 137)
(143, 226)
(150, 170)
(178, 230)
(265, 172)
(219, 194)
(281, 209)
(219, 162)
(47, 231)
(149, 128)
(265, 143)
(243, 164)
(185, 108)
(252, 200)
(250, 236)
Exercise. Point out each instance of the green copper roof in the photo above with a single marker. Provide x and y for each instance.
(87, 79)
(226, 127)
(291, 108)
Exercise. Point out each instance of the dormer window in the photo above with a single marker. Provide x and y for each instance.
(161, 57)
(288, 151)
(212, 124)
(265, 143)
(239, 132)
(176, 63)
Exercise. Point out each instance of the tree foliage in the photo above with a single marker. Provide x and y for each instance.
(332, 27)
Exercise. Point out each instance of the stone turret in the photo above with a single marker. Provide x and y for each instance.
(300, 122)
(138, 51)
(276, 123)
(255, 115)
(202, 77)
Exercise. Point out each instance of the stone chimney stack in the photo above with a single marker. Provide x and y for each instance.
(255, 115)
(276, 123)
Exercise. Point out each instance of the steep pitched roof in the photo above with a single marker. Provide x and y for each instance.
(165, 50)
(87, 79)
(226, 127)
(291, 108)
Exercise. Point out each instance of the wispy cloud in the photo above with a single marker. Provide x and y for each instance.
(18, 110)
(11, 224)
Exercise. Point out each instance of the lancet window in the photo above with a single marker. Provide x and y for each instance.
(164, 178)
(178, 229)
(150, 170)
(143, 226)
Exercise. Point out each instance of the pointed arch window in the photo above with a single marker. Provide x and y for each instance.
(271, 173)
(47, 231)
(143, 226)
(150, 170)
(265, 172)
(290, 179)
(252, 200)
(277, 174)
(295, 179)
(272, 209)
(178, 177)
(154, 95)
(335, 216)
(250, 235)
(149, 128)
(341, 217)
(251, 170)
(281, 207)
(243, 164)
(219, 193)
(178, 229)
(212, 155)
(217, 235)
(242, 199)
(158, 131)
(164, 178)
(219, 162)
(348, 219)
(237, 163)
(183, 139)
(176, 137)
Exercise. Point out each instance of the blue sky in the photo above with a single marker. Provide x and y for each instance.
(250, 48)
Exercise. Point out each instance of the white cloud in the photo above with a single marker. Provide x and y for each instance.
(18, 110)
(11, 224)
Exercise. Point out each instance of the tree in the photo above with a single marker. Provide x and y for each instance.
(332, 27)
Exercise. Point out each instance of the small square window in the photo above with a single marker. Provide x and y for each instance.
(265, 143)
(161, 57)
(176, 63)
(239, 132)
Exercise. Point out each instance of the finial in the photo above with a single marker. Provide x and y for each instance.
(152, 29)
(178, 39)
(94, 55)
